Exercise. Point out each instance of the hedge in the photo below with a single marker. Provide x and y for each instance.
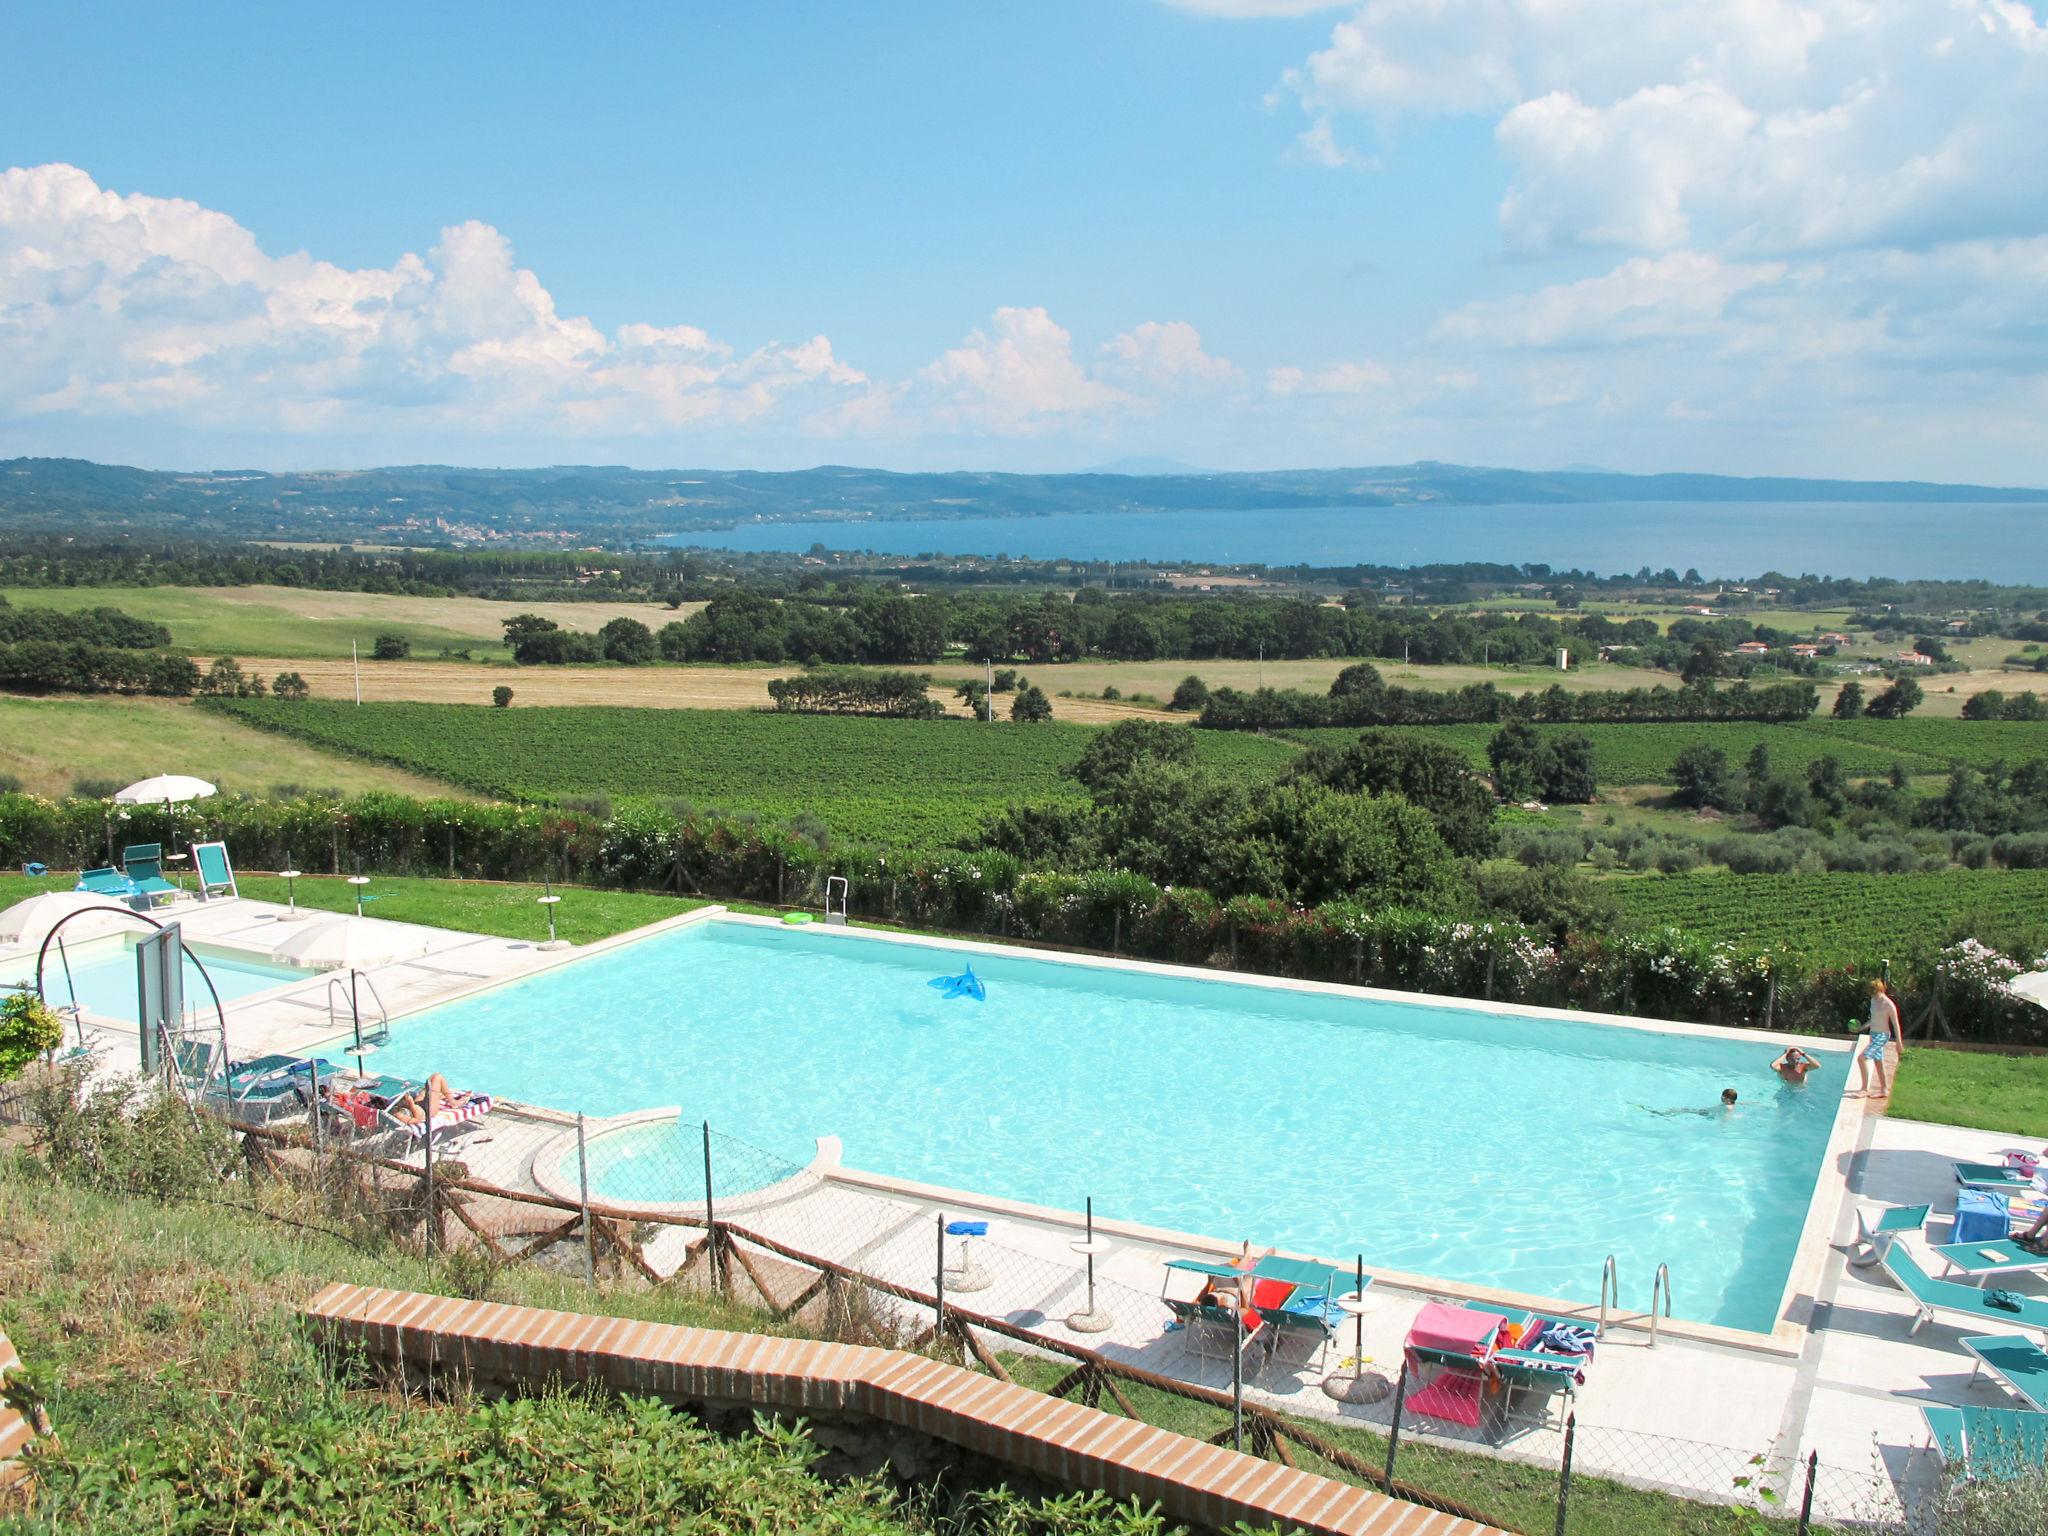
(1664, 973)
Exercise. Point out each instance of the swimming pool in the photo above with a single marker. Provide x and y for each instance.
(102, 976)
(1496, 1149)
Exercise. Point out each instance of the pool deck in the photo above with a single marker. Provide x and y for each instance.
(1842, 1375)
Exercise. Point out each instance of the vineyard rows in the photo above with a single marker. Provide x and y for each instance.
(1847, 917)
(903, 783)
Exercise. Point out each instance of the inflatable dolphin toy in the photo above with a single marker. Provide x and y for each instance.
(966, 984)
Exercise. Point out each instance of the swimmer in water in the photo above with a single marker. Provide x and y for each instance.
(1727, 1106)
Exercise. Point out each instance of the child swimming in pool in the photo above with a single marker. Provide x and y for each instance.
(1726, 1107)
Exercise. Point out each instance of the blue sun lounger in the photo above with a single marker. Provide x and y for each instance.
(1999, 1444)
(1992, 1176)
(2015, 1360)
(1980, 1261)
(1931, 1295)
(1876, 1226)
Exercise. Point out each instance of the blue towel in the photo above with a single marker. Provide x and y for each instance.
(1316, 1304)
(967, 1229)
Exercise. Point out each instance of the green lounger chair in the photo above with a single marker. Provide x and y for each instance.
(2015, 1360)
(1980, 1261)
(1931, 1295)
(106, 881)
(1991, 1176)
(143, 863)
(1995, 1443)
(216, 874)
(1876, 1226)
(1546, 1375)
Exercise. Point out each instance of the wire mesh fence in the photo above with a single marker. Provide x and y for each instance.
(659, 1201)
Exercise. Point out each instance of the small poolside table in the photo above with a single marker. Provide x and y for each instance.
(2016, 1360)
(1980, 1261)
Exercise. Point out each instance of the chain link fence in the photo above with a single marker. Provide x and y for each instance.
(656, 1200)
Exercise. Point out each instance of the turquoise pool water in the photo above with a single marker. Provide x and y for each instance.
(1501, 1150)
(103, 977)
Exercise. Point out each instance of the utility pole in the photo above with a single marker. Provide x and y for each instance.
(356, 664)
(991, 691)
(1262, 663)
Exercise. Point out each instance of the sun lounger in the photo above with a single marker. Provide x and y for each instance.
(1992, 1176)
(143, 863)
(1296, 1340)
(106, 881)
(1995, 1443)
(1980, 1261)
(1931, 1295)
(1534, 1368)
(2015, 1360)
(1211, 1332)
(216, 872)
(1876, 1226)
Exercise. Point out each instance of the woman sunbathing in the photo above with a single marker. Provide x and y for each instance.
(440, 1097)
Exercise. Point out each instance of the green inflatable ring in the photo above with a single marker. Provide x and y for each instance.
(796, 919)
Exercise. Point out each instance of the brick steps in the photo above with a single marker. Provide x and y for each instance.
(1063, 1442)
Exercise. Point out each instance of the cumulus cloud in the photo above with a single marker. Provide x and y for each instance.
(1169, 354)
(1762, 126)
(118, 304)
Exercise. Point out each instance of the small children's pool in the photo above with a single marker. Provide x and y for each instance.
(1496, 1149)
(101, 976)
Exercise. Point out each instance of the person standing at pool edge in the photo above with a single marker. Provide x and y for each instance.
(1883, 1034)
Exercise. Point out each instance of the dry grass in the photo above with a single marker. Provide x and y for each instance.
(51, 743)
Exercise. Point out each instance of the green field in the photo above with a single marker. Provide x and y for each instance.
(905, 783)
(1642, 754)
(1844, 916)
(295, 622)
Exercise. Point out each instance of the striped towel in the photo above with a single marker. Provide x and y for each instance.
(446, 1119)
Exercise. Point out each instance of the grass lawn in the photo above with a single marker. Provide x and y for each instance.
(475, 906)
(1975, 1088)
(51, 743)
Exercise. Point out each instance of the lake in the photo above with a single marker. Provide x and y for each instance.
(1998, 541)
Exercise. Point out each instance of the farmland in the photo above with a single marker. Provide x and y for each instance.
(904, 783)
(292, 622)
(1642, 754)
(1839, 916)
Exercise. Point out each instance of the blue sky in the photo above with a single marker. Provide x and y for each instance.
(1736, 235)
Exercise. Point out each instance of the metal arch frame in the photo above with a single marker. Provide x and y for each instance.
(184, 949)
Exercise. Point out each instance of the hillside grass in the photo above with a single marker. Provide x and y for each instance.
(50, 743)
(900, 783)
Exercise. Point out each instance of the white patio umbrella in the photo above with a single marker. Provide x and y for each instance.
(165, 789)
(2033, 987)
(30, 921)
(351, 944)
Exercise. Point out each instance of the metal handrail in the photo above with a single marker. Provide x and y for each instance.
(1660, 1287)
(358, 983)
(1610, 1283)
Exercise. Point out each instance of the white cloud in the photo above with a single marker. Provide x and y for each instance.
(1685, 293)
(115, 305)
(1335, 379)
(1169, 354)
(1751, 125)
(1017, 376)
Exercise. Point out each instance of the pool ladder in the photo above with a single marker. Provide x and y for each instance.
(1660, 1292)
(348, 993)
